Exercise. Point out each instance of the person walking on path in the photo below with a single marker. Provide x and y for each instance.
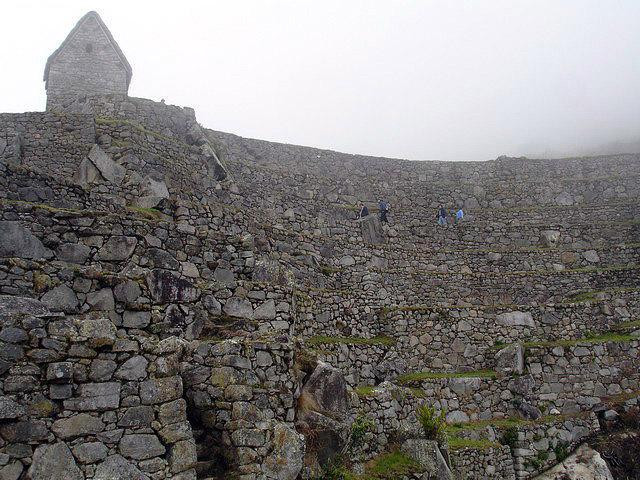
(384, 209)
(364, 211)
(442, 216)
(459, 215)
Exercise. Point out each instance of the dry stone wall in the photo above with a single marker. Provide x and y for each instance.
(155, 310)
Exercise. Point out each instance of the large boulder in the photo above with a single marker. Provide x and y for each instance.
(428, 455)
(116, 467)
(61, 299)
(54, 462)
(18, 241)
(549, 238)
(584, 464)
(286, 456)
(152, 192)
(117, 248)
(371, 229)
(516, 319)
(10, 306)
(87, 173)
(166, 287)
(510, 360)
(326, 390)
(110, 170)
(322, 416)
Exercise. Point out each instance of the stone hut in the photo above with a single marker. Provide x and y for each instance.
(88, 62)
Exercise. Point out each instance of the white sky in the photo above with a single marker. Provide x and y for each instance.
(446, 80)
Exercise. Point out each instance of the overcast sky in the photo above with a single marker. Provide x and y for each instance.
(443, 80)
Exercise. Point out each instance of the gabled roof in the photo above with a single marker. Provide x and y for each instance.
(72, 33)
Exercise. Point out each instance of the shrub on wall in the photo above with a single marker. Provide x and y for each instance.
(432, 422)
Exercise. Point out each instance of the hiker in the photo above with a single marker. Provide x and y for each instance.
(364, 211)
(384, 209)
(442, 216)
(459, 215)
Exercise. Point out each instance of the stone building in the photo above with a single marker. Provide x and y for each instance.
(88, 62)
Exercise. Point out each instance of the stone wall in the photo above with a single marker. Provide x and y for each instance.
(243, 394)
(494, 462)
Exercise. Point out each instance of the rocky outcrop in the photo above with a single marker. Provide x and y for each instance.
(584, 464)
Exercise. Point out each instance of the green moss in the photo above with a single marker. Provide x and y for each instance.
(380, 340)
(419, 376)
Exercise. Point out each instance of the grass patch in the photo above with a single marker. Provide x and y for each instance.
(623, 326)
(380, 340)
(499, 423)
(390, 466)
(457, 443)
(600, 338)
(148, 213)
(329, 270)
(419, 376)
(365, 391)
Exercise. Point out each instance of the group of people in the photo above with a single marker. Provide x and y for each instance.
(383, 210)
(456, 216)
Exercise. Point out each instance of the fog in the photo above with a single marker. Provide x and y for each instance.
(442, 80)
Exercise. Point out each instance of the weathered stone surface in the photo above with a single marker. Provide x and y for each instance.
(591, 256)
(549, 238)
(160, 390)
(73, 253)
(152, 192)
(238, 307)
(182, 456)
(224, 277)
(165, 287)
(584, 464)
(371, 230)
(516, 319)
(13, 335)
(77, 425)
(140, 446)
(136, 319)
(87, 174)
(90, 452)
(286, 457)
(428, 455)
(133, 369)
(97, 332)
(266, 311)
(127, 292)
(24, 431)
(18, 241)
(101, 300)
(54, 462)
(12, 305)
(95, 397)
(9, 409)
(117, 248)
(61, 299)
(109, 169)
(12, 471)
(510, 360)
(116, 467)
(326, 389)
(137, 417)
